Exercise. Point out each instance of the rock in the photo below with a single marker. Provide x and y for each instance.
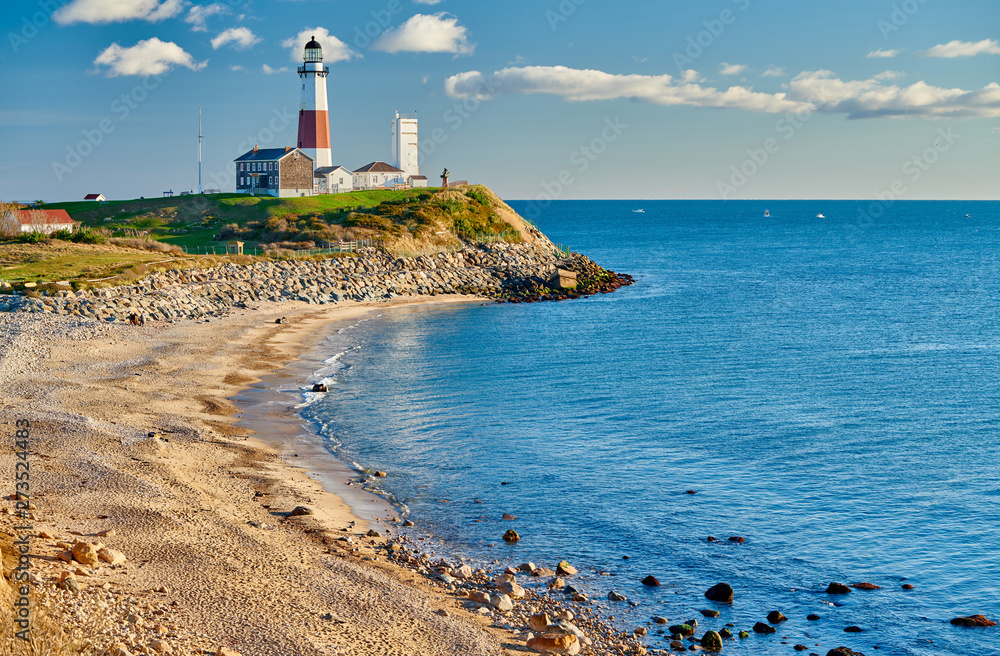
(502, 603)
(508, 517)
(681, 630)
(907, 586)
(760, 627)
(299, 511)
(320, 387)
(161, 646)
(854, 629)
(109, 533)
(65, 556)
(973, 620)
(463, 572)
(775, 617)
(555, 644)
(85, 553)
(837, 588)
(443, 613)
(526, 567)
(565, 569)
(119, 649)
(539, 622)
(540, 572)
(223, 651)
(812, 618)
(45, 535)
(721, 592)
(69, 583)
(866, 586)
(112, 556)
(737, 538)
(372, 533)
(744, 635)
(660, 620)
(711, 641)
(512, 590)
(480, 597)
(800, 648)
(614, 596)
(709, 612)
(651, 581)
(408, 523)
(511, 536)
(843, 651)
(565, 627)
(725, 633)
(381, 474)
(557, 583)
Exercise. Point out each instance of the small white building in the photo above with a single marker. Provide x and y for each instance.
(378, 175)
(98, 197)
(334, 179)
(417, 181)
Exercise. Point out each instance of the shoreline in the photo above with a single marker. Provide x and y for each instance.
(134, 435)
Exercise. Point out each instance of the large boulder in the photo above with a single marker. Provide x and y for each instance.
(843, 651)
(85, 554)
(551, 643)
(837, 588)
(721, 592)
(973, 620)
(711, 641)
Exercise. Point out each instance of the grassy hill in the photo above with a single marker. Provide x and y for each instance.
(409, 222)
(413, 220)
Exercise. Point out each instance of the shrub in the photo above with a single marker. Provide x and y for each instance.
(31, 237)
(87, 236)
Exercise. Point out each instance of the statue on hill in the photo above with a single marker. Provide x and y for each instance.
(444, 178)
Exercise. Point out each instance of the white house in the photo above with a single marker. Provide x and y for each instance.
(417, 181)
(98, 197)
(334, 179)
(378, 175)
(47, 221)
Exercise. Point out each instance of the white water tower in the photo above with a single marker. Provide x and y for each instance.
(405, 151)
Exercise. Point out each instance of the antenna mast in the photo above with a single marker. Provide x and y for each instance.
(200, 139)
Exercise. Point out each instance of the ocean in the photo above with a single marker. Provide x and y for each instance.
(827, 388)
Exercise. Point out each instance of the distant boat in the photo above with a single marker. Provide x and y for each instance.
(639, 211)
(968, 216)
(767, 213)
(820, 216)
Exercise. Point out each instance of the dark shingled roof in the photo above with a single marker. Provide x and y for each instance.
(378, 167)
(267, 154)
(326, 170)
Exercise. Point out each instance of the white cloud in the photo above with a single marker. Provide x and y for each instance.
(198, 14)
(149, 57)
(774, 71)
(872, 99)
(426, 33)
(731, 69)
(995, 130)
(241, 38)
(235, 67)
(267, 70)
(882, 54)
(577, 85)
(811, 90)
(334, 50)
(888, 75)
(964, 49)
(116, 11)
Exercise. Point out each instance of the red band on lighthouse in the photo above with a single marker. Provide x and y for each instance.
(314, 129)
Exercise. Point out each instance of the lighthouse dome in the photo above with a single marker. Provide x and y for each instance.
(314, 52)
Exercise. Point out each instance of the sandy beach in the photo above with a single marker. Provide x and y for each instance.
(134, 445)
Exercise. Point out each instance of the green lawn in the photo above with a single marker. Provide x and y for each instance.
(68, 261)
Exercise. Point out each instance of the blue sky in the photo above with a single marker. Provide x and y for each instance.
(542, 99)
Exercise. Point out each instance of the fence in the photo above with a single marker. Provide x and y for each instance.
(329, 249)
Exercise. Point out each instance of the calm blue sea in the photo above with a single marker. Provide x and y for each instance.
(827, 386)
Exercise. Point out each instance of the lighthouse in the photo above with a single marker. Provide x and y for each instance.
(314, 119)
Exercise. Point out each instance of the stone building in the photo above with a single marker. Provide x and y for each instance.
(281, 172)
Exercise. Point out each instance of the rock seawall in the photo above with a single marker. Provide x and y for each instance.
(515, 272)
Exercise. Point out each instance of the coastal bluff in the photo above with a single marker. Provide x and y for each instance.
(501, 271)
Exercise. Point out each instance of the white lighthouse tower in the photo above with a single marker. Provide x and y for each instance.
(314, 119)
(405, 151)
